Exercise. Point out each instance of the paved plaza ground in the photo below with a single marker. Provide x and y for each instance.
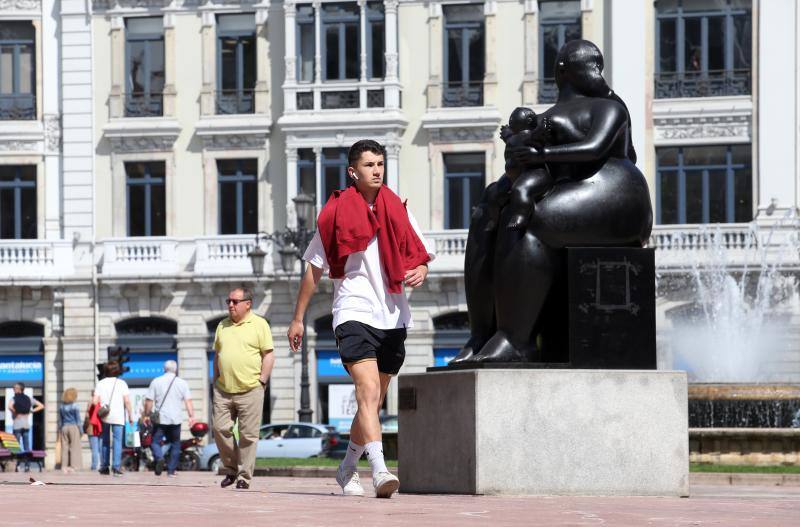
(195, 499)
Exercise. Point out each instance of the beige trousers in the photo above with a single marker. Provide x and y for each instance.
(71, 447)
(238, 460)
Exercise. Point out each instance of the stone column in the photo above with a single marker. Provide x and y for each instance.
(627, 73)
(317, 52)
(170, 92)
(116, 97)
(52, 386)
(435, 58)
(290, 57)
(320, 176)
(490, 58)
(208, 39)
(393, 166)
(291, 184)
(592, 22)
(777, 115)
(48, 76)
(392, 90)
(362, 90)
(262, 59)
(530, 85)
(193, 368)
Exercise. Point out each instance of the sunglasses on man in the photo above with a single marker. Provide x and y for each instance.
(235, 301)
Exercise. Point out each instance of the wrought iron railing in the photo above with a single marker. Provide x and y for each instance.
(17, 107)
(305, 100)
(456, 94)
(712, 83)
(235, 101)
(375, 99)
(332, 100)
(144, 104)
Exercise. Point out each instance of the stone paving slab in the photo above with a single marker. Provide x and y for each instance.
(195, 499)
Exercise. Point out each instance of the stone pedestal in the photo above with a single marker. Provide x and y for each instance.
(544, 432)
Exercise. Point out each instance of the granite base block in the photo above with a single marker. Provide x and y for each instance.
(544, 432)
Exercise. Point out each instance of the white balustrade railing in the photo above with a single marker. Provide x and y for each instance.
(730, 245)
(228, 255)
(132, 257)
(50, 259)
(450, 246)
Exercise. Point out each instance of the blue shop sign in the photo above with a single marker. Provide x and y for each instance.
(441, 356)
(147, 366)
(21, 368)
(329, 364)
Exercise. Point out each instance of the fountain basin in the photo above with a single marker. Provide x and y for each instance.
(745, 446)
(750, 406)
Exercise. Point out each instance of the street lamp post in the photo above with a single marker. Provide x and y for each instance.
(292, 244)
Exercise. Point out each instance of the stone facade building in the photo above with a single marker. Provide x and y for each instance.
(145, 143)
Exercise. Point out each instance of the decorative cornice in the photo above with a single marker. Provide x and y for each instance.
(460, 125)
(698, 128)
(462, 135)
(52, 132)
(235, 141)
(142, 143)
(16, 145)
(9, 6)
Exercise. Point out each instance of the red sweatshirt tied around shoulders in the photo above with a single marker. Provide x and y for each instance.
(346, 225)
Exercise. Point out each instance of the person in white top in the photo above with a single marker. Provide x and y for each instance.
(112, 393)
(370, 308)
(165, 396)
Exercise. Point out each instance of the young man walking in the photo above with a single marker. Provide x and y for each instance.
(372, 247)
(243, 361)
(162, 404)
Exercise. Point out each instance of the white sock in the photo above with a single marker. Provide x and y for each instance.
(374, 452)
(354, 452)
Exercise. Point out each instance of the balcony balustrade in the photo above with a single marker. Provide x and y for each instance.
(713, 83)
(42, 259)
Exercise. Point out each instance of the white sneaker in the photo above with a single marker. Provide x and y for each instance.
(385, 484)
(348, 479)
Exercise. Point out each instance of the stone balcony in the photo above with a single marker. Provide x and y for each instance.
(35, 260)
(679, 249)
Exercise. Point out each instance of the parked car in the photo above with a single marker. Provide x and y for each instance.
(388, 429)
(282, 440)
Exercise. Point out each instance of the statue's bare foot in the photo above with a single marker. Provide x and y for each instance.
(517, 221)
(499, 349)
(468, 352)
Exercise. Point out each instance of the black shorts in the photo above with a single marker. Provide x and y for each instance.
(359, 342)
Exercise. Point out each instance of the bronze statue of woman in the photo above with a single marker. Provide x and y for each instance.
(599, 199)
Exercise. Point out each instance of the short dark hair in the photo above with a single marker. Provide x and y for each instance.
(247, 294)
(20, 384)
(112, 369)
(364, 145)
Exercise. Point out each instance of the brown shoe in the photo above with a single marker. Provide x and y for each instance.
(228, 481)
(242, 484)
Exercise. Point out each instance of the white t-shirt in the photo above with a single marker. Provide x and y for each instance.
(116, 406)
(170, 412)
(361, 295)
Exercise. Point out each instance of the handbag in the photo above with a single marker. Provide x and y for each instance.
(104, 410)
(155, 416)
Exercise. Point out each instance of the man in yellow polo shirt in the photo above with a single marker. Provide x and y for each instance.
(243, 360)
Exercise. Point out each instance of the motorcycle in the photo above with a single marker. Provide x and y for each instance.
(136, 458)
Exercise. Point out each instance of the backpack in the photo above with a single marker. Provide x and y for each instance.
(22, 404)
